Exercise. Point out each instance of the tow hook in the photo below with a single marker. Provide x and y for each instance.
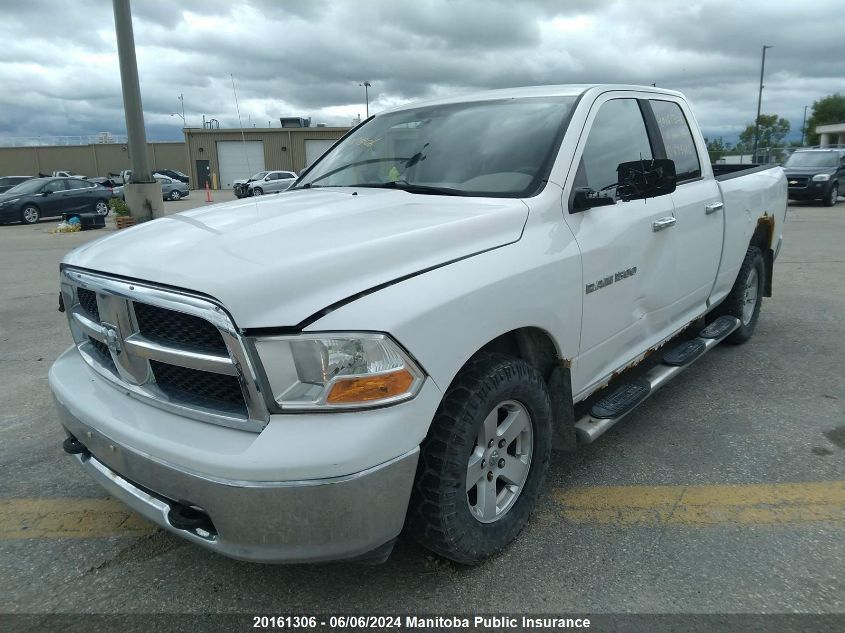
(73, 446)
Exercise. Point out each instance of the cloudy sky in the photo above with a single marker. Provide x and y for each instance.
(59, 71)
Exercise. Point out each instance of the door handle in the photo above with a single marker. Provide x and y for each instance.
(713, 207)
(663, 223)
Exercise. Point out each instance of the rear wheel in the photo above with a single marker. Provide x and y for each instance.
(30, 214)
(484, 462)
(101, 207)
(831, 199)
(745, 298)
(175, 195)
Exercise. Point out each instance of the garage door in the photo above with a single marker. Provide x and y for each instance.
(239, 159)
(315, 148)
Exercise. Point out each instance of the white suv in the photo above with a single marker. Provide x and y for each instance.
(272, 181)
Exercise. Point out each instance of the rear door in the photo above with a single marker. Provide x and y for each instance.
(698, 209)
(627, 260)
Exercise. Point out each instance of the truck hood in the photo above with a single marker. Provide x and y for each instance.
(274, 261)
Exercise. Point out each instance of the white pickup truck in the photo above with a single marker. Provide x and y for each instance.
(400, 340)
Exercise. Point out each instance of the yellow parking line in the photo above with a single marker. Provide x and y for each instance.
(68, 518)
(754, 504)
(694, 506)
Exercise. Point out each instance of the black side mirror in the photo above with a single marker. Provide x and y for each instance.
(46, 193)
(646, 178)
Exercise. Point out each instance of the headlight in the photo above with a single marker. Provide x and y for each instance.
(337, 370)
(821, 178)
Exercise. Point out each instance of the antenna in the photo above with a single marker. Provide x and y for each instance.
(240, 125)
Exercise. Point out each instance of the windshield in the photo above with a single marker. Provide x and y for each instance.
(30, 186)
(812, 159)
(500, 148)
(259, 175)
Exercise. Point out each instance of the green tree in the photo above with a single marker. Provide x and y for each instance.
(826, 111)
(716, 148)
(773, 129)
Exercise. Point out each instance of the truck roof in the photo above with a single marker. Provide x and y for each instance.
(561, 90)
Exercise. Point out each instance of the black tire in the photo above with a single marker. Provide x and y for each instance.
(736, 300)
(257, 191)
(30, 214)
(97, 208)
(439, 514)
(832, 195)
(175, 195)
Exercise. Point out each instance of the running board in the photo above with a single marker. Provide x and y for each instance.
(626, 397)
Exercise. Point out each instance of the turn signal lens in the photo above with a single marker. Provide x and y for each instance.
(369, 388)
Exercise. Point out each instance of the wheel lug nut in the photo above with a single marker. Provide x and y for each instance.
(502, 463)
(490, 444)
(501, 443)
(489, 475)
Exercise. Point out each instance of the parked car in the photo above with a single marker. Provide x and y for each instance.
(272, 182)
(173, 189)
(815, 174)
(7, 182)
(398, 340)
(66, 174)
(241, 186)
(174, 175)
(39, 198)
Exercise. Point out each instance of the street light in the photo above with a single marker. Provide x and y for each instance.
(181, 116)
(804, 125)
(367, 85)
(759, 102)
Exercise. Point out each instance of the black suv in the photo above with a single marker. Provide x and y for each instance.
(39, 198)
(815, 174)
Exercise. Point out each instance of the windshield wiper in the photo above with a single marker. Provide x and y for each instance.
(411, 188)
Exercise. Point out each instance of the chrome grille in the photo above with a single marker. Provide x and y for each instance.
(798, 182)
(175, 350)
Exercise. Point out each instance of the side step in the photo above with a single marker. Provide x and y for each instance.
(625, 398)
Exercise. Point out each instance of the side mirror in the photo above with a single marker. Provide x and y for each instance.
(46, 193)
(646, 178)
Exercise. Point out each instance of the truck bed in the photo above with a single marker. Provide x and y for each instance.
(725, 172)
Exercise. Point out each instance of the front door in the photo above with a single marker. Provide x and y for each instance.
(56, 199)
(628, 255)
(203, 174)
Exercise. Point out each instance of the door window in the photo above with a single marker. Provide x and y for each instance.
(677, 139)
(55, 186)
(618, 135)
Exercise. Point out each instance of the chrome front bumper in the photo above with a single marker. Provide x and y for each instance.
(356, 516)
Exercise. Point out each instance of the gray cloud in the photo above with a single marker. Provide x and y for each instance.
(59, 74)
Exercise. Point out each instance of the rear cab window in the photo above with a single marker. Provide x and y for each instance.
(677, 139)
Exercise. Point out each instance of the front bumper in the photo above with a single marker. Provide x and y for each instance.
(273, 522)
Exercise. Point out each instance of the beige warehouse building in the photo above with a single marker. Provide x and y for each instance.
(219, 156)
(228, 155)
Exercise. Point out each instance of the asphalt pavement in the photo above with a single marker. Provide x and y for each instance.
(723, 493)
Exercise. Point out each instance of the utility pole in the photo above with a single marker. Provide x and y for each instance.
(367, 85)
(759, 103)
(143, 194)
(804, 125)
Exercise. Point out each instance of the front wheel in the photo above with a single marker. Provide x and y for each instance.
(484, 461)
(745, 298)
(831, 199)
(101, 207)
(30, 215)
(258, 191)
